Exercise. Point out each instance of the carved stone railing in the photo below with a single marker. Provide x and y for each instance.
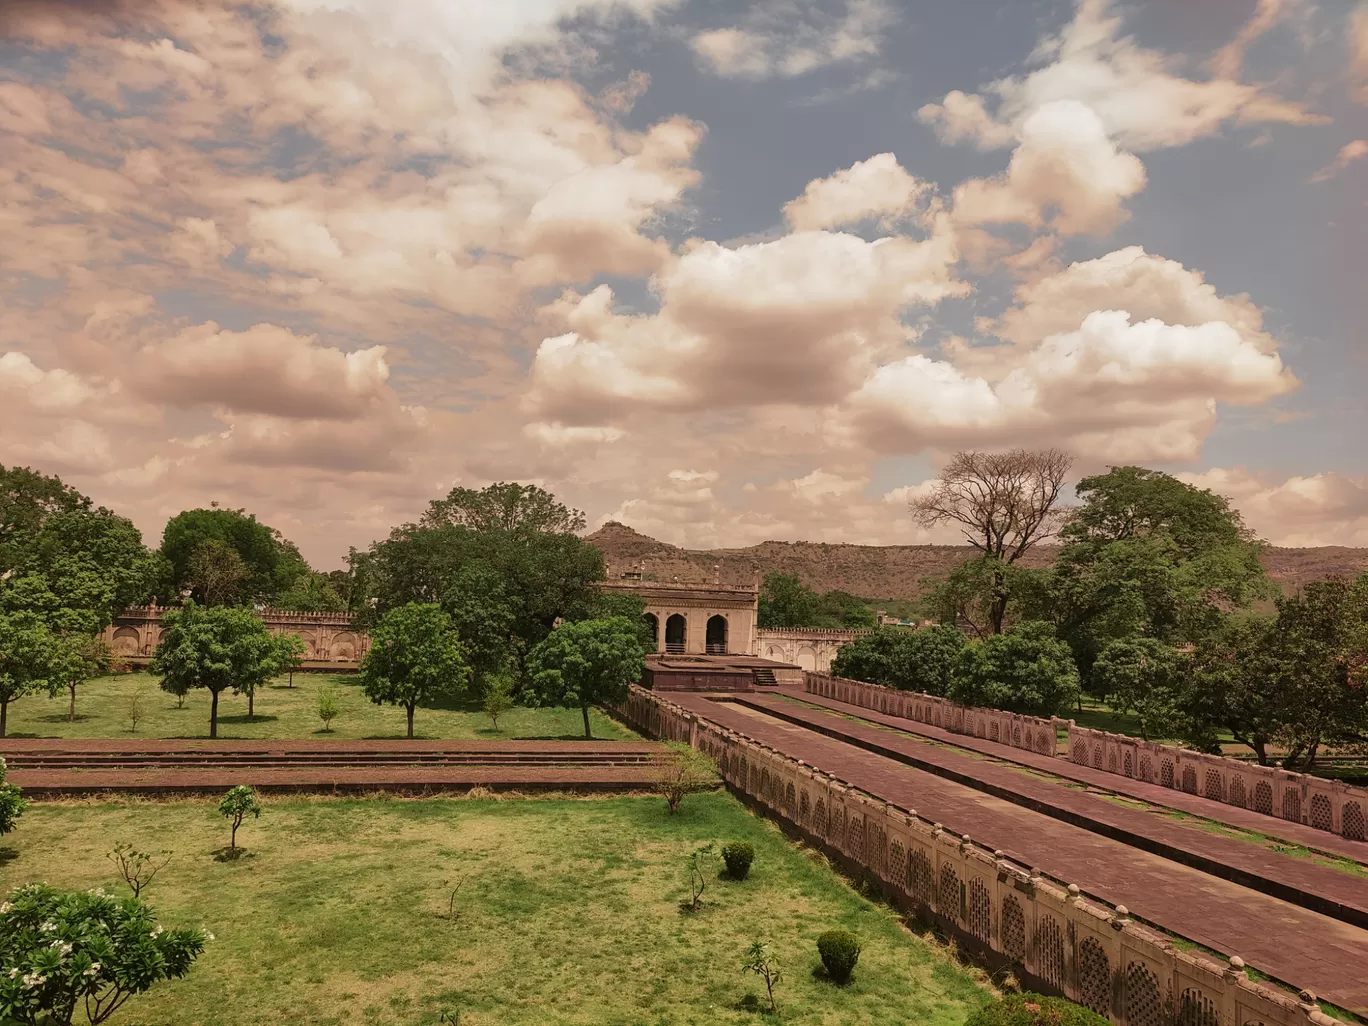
(1298, 797)
(1033, 733)
(1059, 939)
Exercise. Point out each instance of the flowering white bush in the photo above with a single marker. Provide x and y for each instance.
(65, 954)
(11, 802)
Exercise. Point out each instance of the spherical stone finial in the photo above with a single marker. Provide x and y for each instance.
(999, 854)
(1236, 962)
(1121, 910)
(1073, 890)
(1308, 996)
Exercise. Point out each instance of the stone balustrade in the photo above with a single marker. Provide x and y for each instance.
(1033, 733)
(1056, 938)
(1299, 797)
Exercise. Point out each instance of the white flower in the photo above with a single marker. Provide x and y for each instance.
(49, 927)
(13, 973)
(94, 968)
(33, 979)
(158, 931)
(61, 946)
(5, 907)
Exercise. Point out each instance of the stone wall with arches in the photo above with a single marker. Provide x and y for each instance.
(811, 648)
(697, 619)
(1057, 938)
(328, 637)
(1330, 805)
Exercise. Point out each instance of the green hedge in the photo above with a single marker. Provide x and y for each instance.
(1034, 1010)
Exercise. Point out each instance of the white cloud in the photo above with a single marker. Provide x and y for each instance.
(1143, 104)
(875, 188)
(791, 39)
(1300, 511)
(1349, 152)
(1358, 51)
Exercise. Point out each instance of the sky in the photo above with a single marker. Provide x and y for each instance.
(722, 271)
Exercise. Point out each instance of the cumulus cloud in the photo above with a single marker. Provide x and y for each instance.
(799, 319)
(1358, 51)
(1065, 173)
(784, 39)
(1300, 511)
(879, 187)
(1142, 102)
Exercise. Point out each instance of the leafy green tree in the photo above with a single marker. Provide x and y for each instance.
(84, 952)
(498, 699)
(29, 654)
(218, 648)
(920, 660)
(1143, 675)
(272, 563)
(785, 601)
(483, 616)
(504, 507)
(311, 592)
(77, 659)
(415, 658)
(216, 573)
(840, 610)
(240, 802)
(328, 706)
(1026, 669)
(587, 662)
(982, 594)
(12, 802)
(1231, 683)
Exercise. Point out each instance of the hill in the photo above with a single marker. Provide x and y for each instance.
(892, 572)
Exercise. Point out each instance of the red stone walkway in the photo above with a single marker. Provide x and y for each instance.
(47, 768)
(1297, 946)
(1154, 794)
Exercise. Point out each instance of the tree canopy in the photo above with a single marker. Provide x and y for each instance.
(587, 662)
(415, 658)
(1026, 669)
(196, 544)
(920, 660)
(785, 601)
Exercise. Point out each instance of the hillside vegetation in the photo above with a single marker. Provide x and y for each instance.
(883, 571)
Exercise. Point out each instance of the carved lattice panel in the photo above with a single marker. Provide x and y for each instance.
(1146, 769)
(1189, 780)
(1166, 773)
(1129, 764)
(1263, 798)
(1291, 805)
(993, 734)
(1013, 929)
(791, 800)
(1045, 742)
(1049, 951)
(855, 839)
(1197, 1009)
(919, 881)
(948, 896)
(1097, 755)
(1144, 1005)
(980, 910)
(1111, 761)
(876, 842)
(1094, 976)
(1211, 787)
(1322, 815)
(804, 808)
(1237, 794)
(819, 819)
(1016, 737)
(1352, 821)
(1080, 752)
(897, 861)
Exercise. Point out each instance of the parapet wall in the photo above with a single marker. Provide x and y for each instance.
(1299, 797)
(1060, 940)
(1033, 733)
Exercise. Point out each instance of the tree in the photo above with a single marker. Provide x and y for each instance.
(77, 659)
(920, 660)
(216, 649)
(1026, 669)
(271, 562)
(292, 653)
(840, 610)
(982, 594)
(328, 706)
(216, 572)
(498, 699)
(516, 508)
(1230, 684)
(762, 961)
(415, 658)
(12, 802)
(29, 653)
(240, 802)
(1142, 675)
(1005, 504)
(785, 601)
(589, 662)
(679, 771)
(86, 950)
(311, 592)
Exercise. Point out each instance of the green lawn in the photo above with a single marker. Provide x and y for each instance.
(569, 913)
(102, 708)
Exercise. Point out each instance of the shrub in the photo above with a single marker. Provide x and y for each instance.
(12, 803)
(328, 705)
(138, 867)
(498, 699)
(61, 953)
(1026, 669)
(840, 950)
(1034, 1010)
(239, 803)
(680, 770)
(738, 856)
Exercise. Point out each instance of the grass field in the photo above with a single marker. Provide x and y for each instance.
(102, 710)
(568, 913)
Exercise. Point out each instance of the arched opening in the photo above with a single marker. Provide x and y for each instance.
(717, 635)
(653, 626)
(676, 633)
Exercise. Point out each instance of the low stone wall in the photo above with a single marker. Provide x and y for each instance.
(1033, 733)
(1059, 940)
(1299, 797)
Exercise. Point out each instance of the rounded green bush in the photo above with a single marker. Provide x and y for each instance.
(738, 856)
(1034, 1010)
(840, 950)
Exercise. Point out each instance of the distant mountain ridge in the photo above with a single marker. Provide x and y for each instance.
(880, 571)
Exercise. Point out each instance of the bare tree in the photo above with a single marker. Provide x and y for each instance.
(1005, 503)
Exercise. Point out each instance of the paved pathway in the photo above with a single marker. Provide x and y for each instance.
(1245, 819)
(1298, 946)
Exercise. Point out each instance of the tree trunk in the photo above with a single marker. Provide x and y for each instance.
(409, 709)
(232, 838)
(1260, 750)
(71, 712)
(251, 703)
(291, 676)
(4, 714)
(584, 710)
(1311, 756)
(213, 714)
